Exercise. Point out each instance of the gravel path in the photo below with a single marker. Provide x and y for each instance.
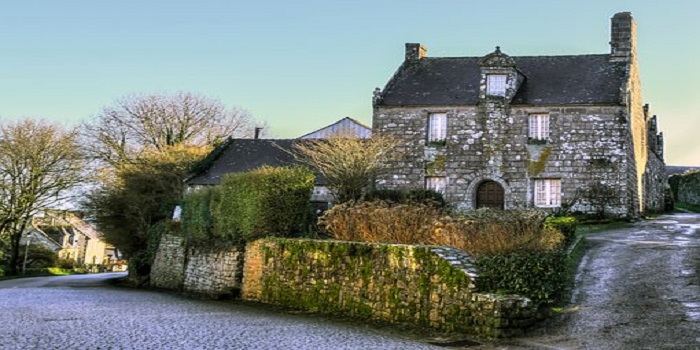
(82, 312)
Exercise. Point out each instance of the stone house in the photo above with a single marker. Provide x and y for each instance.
(346, 126)
(240, 155)
(526, 131)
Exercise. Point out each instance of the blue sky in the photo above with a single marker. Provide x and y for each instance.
(300, 65)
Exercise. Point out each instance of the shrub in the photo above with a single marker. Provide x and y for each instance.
(196, 214)
(566, 225)
(65, 263)
(407, 197)
(537, 275)
(268, 201)
(483, 232)
(40, 256)
(380, 221)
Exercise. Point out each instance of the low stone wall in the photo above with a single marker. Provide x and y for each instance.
(168, 270)
(214, 273)
(211, 273)
(422, 286)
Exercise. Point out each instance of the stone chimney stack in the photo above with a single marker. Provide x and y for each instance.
(623, 38)
(415, 51)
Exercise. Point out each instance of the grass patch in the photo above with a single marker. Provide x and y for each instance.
(586, 229)
(684, 206)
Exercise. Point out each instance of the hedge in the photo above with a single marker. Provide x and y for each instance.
(540, 276)
(268, 201)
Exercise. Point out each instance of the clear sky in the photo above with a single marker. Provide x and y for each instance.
(300, 65)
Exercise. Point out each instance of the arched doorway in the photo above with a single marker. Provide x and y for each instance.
(489, 195)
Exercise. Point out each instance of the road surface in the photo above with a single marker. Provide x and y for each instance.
(84, 312)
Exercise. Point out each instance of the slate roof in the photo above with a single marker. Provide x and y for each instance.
(550, 80)
(675, 169)
(239, 155)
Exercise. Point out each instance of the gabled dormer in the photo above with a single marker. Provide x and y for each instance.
(500, 79)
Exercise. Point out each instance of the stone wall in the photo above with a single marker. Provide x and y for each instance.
(586, 145)
(206, 272)
(214, 272)
(421, 286)
(168, 270)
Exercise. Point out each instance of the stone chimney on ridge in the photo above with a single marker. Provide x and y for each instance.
(623, 38)
(415, 51)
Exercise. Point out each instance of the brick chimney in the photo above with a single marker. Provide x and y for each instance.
(623, 38)
(415, 51)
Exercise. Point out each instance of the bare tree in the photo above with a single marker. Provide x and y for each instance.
(136, 123)
(39, 162)
(349, 165)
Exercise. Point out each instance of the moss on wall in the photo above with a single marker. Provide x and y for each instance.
(536, 167)
(416, 285)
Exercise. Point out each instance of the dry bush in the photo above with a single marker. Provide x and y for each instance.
(380, 221)
(479, 233)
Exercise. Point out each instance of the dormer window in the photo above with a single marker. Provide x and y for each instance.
(496, 85)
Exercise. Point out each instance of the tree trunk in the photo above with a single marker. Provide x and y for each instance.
(15, 238)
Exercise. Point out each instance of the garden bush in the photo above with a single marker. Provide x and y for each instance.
(268, 201)
(540, 276)
(196, 214)
(566, 225)
(407, 197)
(479, 233)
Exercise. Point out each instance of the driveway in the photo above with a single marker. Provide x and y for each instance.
(84, 312)
(636, 288)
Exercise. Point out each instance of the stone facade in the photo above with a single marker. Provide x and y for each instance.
(599, 136)
(417, 285)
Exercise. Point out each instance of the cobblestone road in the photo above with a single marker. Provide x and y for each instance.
(82, 312)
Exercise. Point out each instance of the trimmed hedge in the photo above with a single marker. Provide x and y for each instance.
(196, 214)
(268, 201)
(539, 276)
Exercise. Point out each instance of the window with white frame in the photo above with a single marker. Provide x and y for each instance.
(548, 193)
(437, 127)
(538, 126)
(436, 183)
(496, 85)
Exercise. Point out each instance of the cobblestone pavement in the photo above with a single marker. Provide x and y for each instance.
(83, 312)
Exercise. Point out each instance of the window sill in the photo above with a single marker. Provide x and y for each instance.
(531, 141)
(437, 143)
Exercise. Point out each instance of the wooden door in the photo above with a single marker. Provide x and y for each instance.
(490, 195)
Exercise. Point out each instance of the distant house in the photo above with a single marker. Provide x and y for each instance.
(37, 236)
(76, 239)
(240, 155)
(345, 127)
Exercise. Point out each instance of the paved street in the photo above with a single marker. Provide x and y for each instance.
(82, 312)
(636, 288)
